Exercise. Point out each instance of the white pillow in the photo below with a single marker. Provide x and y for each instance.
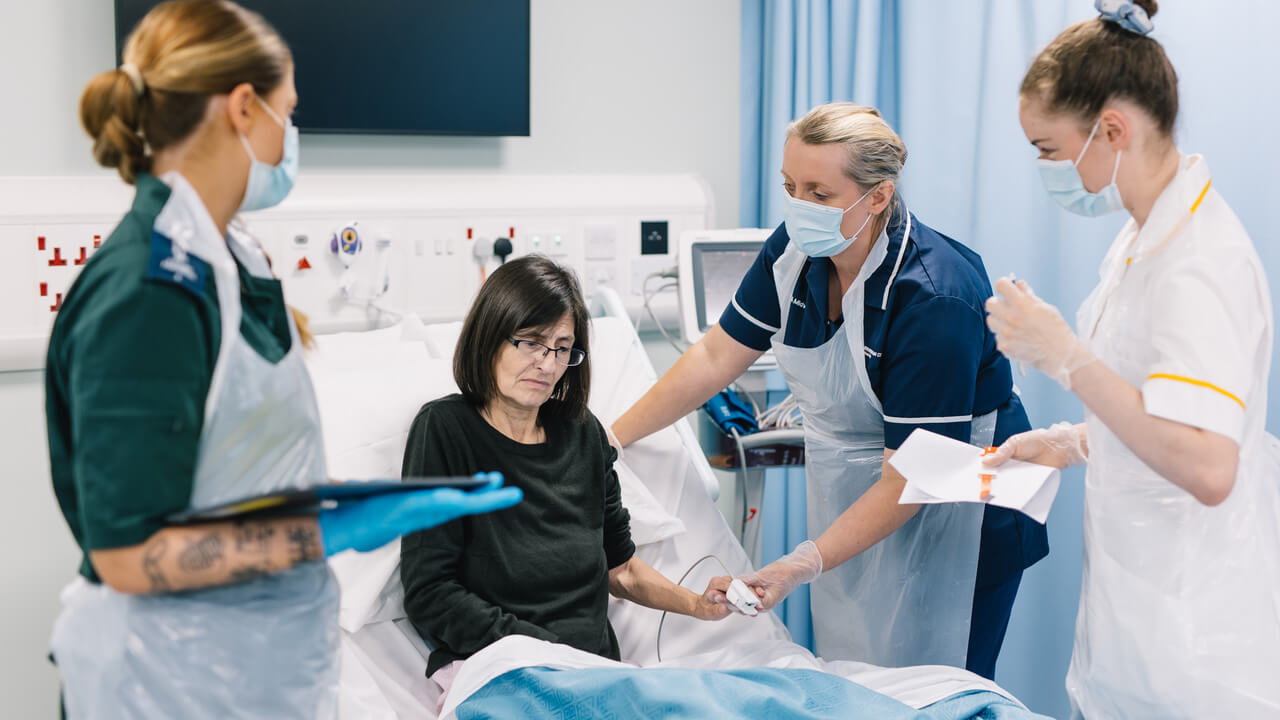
(368, 396)
(650, 523)
(442, 338)
(368, 393)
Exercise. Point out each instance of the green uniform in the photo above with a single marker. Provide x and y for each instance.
(129, 366)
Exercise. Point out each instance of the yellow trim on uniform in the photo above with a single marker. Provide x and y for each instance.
(1200, 383)
(1200, 199)
(1194, 206)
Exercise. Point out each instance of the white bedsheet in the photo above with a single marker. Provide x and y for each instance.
(384, 661)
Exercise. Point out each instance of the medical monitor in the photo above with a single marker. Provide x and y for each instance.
(408, 67)
(712, 264)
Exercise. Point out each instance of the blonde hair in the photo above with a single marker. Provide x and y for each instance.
(182, 52)
(873, 151)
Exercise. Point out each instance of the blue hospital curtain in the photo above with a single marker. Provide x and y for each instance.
(797, 54)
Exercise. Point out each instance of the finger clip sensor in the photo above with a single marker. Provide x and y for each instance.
(741, 597)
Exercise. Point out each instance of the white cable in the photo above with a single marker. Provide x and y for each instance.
(785, 414)
(648, 297)
(663, 619)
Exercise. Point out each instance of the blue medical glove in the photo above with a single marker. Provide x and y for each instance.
(369, 524)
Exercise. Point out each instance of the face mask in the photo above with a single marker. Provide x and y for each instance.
(269, 184)
(815, 229)
(1062, 180)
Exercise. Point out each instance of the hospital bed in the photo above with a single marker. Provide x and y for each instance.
(371, 384)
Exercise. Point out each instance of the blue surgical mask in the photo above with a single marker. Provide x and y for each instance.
(269, 184)
(815, 229)
(1062, 180)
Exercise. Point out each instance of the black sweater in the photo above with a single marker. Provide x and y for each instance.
(539, 568)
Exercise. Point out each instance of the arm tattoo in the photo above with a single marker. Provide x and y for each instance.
(247, 574)
(253, 537)
(202, 554)
(302, 541)
(151, 565)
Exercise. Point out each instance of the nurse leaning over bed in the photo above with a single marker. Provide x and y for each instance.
(877, 324)
(175, 379)
(1180, 603)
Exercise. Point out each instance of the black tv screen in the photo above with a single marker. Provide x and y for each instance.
(432, 67)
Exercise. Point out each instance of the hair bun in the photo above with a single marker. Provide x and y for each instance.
(109, 112)
(1134, 17)
(1150, 6)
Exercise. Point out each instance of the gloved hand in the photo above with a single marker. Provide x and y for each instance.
(369, 524)
(1061, 446)
(775, 581)
(1031, 331)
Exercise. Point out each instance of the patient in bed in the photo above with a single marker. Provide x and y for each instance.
(546, 567)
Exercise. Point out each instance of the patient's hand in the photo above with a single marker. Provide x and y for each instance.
(712, 604)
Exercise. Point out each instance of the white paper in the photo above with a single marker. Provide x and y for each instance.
(939, 469)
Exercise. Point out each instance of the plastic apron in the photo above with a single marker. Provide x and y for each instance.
(908, 599)
(1179, 602)
(266, 648)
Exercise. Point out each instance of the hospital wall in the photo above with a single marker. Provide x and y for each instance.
(611, 92)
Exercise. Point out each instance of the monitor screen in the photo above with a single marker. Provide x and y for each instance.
(718, 269)
(398, 66)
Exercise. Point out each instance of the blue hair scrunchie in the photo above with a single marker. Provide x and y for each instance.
(1127, 15)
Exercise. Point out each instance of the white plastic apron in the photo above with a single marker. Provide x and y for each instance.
(908, 599)
(1179, 603)
(267, 648)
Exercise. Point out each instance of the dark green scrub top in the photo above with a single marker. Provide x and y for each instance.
(129, 366)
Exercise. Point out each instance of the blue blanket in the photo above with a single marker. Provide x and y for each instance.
(538, 693)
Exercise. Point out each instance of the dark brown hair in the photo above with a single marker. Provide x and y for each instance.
(1094, 61)
(528, 293)
(184, 51)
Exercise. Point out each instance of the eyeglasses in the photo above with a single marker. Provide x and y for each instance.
(536, 350)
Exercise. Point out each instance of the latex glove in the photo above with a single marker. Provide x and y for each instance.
(714, 604)
(1061, 446)
(775, 581)
(369, 524)
(1030, 330)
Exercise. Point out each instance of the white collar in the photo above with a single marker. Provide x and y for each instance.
(186, 221)
(1172, 206)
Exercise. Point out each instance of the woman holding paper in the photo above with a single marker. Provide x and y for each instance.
(1178, 607)
(175, 380)
(877, 324)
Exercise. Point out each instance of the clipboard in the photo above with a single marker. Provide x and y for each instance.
(308, 500)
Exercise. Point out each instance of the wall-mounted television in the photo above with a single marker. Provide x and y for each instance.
(423, 67)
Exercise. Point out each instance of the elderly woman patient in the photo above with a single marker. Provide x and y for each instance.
(546, 567)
